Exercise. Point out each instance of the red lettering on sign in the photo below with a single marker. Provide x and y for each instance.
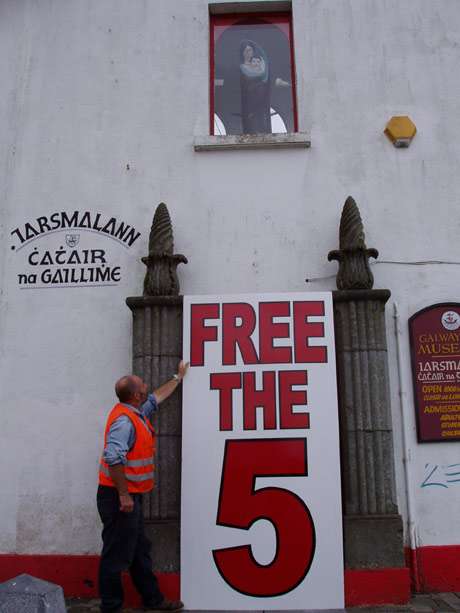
(199, 333)
(269, 330)
(239, 321)
(290, 398)
(264, 398)
(303, 330)
(238, 334)
(225, 382)
(240, 505)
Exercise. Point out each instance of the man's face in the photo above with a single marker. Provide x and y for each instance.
(142, 391)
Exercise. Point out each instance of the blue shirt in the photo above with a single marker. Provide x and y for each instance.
(121, 436)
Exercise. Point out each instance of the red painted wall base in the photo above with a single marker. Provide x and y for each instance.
(77, 575)
(435, 568)
(431, 569)
(379, 586)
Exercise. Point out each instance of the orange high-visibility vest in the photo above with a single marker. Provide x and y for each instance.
(139, 464)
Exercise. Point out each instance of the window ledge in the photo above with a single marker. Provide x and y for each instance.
(252, 141)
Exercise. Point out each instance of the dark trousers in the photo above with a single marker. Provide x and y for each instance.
(125, 547)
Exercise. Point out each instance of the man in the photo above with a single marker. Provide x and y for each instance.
(126, 472)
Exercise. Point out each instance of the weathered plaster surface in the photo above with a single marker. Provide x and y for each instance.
(101, 104)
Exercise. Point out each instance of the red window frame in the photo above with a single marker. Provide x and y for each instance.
(229, 20)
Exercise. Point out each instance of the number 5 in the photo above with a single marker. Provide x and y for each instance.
(240, 505)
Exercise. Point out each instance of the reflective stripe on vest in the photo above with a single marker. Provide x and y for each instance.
(129, 477)
(145, 462)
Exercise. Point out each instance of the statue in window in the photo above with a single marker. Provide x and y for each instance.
(255, 88)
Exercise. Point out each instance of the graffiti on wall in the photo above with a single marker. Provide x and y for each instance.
(438, 475)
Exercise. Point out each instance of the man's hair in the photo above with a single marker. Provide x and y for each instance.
(126, 387)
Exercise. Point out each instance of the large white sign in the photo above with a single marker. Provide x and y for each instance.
(261, 506)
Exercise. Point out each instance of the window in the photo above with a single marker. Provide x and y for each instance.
(252, 74)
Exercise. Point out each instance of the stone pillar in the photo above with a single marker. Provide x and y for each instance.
(373, 531)
(157, 349)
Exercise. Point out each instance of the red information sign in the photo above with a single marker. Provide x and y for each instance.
(435, 350)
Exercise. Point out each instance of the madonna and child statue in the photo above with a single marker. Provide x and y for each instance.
(253, 91)
(256, 88)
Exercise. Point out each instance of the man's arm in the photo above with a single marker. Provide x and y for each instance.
(165, 390)
(120, 439)
(117, 474)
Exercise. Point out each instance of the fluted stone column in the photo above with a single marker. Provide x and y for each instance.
(373, 535)
(373, 531)
(157, 349)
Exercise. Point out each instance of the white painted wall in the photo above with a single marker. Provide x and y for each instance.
(91, 87)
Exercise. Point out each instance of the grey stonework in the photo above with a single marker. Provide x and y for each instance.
(373, 529)
(362, 373)
(297, 140)
(165, 538)
(27, 594)
(353, 256)
(373, 534)
(161, 276)
(373, 541)
(157, 349)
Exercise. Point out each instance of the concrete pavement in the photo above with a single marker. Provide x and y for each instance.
(420, 603)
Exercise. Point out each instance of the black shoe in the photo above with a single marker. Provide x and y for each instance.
(166, 605)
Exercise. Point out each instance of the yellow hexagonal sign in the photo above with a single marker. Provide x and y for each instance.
(400, 130)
